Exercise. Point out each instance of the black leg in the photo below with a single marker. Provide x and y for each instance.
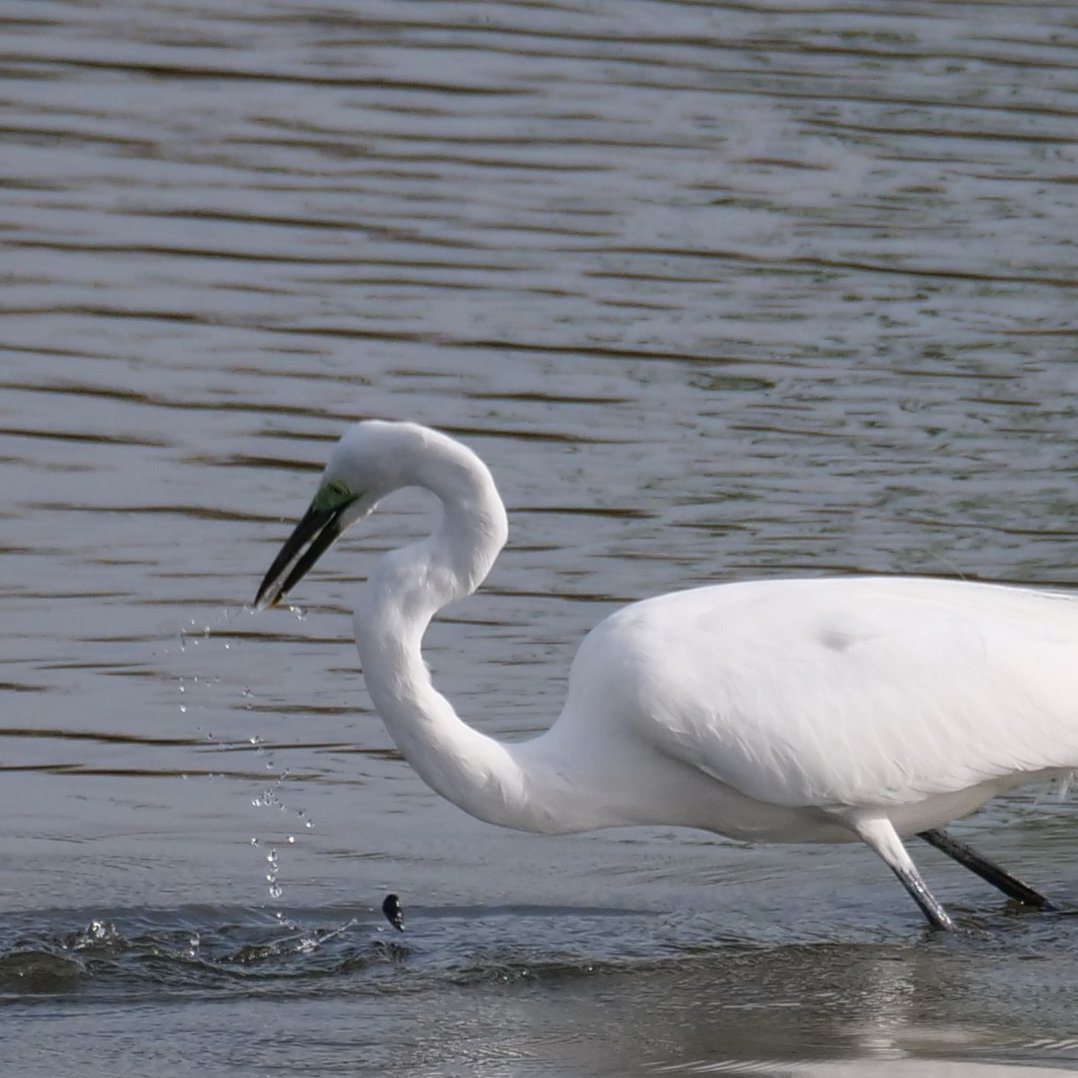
(990, 872)
(878, 833)
(934, 913)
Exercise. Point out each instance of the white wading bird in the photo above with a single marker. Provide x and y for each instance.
(813, 710)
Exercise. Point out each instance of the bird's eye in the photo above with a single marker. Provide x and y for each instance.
(333, 495)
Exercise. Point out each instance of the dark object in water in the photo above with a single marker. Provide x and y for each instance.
(391, 907)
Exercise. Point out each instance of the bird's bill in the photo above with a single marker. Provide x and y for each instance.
(313, 536)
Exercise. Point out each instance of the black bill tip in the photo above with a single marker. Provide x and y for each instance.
(313, 535)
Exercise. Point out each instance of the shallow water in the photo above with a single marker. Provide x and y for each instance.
(719, 291)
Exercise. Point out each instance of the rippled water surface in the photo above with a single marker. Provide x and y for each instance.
(719, 291)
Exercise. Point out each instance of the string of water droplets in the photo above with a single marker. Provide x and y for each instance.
(194, 634)
(271, 796)
(272, 845)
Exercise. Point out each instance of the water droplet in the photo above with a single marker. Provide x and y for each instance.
(291, 839)
(183, 709)
(275, 890)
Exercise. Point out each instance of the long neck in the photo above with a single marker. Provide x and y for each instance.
(484, 777)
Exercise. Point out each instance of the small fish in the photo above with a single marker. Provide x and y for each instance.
(391, 907)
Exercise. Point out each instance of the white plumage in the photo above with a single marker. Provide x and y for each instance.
(808, 710)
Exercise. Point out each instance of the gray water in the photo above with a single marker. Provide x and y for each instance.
(719, 291)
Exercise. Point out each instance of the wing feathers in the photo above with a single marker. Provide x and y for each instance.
(847, 691)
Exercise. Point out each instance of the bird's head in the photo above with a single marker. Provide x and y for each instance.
(369, 461)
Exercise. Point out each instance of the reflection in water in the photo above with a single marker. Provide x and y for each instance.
(778, 1007)
(719, 292)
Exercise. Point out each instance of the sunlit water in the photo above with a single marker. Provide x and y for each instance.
(718, 292)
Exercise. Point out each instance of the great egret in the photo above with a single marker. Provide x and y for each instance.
(805, 710)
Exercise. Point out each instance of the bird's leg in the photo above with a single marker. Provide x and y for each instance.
(878, 832)
(989, 871)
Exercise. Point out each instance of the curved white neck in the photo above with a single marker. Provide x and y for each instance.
(487, 779)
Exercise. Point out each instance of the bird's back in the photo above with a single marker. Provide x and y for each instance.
(840, 691)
